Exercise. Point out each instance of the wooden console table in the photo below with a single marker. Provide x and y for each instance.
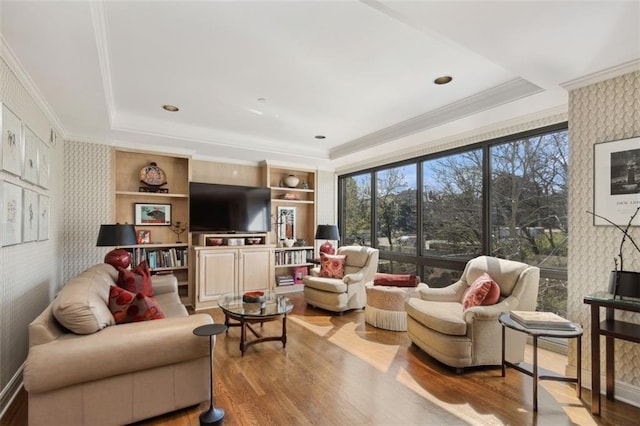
(611, 329)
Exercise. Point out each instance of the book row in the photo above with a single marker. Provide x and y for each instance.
(293, 257)
(160, 258)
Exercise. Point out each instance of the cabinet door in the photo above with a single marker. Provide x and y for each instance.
(217, 273)
(256, 269)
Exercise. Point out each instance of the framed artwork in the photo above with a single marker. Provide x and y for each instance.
(44, 215)
(29, 215)
(12, 142)
(11, 214)
(298, 273)
(30, 164)
(286, 223)
(616, 186)
(43, 165)
(144, 236)
(152, 214)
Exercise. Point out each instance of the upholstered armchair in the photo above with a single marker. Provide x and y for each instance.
(458, 337)
(341, 294)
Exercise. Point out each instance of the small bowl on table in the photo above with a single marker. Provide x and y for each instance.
(253, 297)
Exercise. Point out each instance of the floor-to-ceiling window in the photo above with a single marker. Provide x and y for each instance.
(430, 215)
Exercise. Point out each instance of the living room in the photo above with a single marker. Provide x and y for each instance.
(599, 101)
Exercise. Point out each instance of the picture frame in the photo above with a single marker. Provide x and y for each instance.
(298, 273)
(286, 223)
(44, 216)
(43, 165)
(30, 163)
(11, 214)
(29, 215)
(146, 214)
(12, 142)
(616, 181)
(143, 236)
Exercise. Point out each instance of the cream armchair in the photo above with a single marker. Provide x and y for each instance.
(437, 323)
(338, 295)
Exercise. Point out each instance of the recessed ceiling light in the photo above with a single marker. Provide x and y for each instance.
(320, 137)
(170, 108)
(443, 80)
(262, 99)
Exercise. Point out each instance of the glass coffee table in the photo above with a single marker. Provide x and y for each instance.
(273, 307)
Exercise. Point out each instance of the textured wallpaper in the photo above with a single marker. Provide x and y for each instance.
(30, 273)
(602, 112)
(88, 194)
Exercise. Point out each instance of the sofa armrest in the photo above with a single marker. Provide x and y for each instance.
(163, 284)
(491, 312)
(452, 293)
(115, 350)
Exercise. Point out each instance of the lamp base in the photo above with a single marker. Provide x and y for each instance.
(118, 258)
(212, 416)
(327, 248)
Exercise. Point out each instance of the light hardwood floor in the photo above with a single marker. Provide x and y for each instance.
(337, 370)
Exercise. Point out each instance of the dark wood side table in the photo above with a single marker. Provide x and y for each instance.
(213, 415)
(576, 332)
(611, 329)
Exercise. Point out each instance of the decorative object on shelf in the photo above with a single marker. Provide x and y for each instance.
(286, 223)
(252, 241)
(291, 181)
(623, 283)
(253, 297)
(329, 233)
(115, 236)
(290, 196)
(143, 236)
(153, 178)
(235, 241)
(152, 214)
(301, 243)
(298, 273)
(213, 415)
(289, 242)
(178, 228)
(305, 185)
(616, 181)
(214, 241)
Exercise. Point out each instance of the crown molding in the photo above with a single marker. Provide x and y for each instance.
(487, 99)
(32, 89)
(99, 21)
(606, 74)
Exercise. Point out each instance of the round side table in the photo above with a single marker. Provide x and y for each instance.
(213, 415)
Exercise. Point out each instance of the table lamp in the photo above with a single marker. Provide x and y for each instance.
(327, 232)
(115, 236)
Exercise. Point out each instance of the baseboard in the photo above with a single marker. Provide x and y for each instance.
(624, 392)
(10, 391)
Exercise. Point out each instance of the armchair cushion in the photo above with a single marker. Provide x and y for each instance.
(443, 317)
(396, 280)
(332, 266)
(478, 293)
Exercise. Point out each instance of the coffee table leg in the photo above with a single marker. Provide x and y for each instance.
(284, 331)
(535, 373)
(243, 336)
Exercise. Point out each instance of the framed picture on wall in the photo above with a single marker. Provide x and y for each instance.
(44, 216)
(12, 142)
(29, 215)
(286, 223)
(11, 214)
(616, 186)
(152, 214)
(30, 164)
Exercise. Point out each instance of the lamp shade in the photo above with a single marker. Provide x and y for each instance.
(117, 235)
(327, 232)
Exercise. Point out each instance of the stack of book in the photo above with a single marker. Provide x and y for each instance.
(542, 320)
(285, 280)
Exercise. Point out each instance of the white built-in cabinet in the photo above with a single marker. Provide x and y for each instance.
(227, 269)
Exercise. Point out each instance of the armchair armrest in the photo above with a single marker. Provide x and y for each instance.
(315, 271)
(452, 293)
(491, 312)
(353, 278)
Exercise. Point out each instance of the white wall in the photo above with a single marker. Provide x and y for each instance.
(30, 273)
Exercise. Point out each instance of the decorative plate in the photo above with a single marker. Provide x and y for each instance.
(153, 175)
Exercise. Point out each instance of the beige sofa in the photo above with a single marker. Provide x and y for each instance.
(107, 374)
(438, 324)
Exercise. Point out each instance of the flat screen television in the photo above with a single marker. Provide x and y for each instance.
(228, 208)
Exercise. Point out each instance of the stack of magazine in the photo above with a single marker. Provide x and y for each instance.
(541, 320)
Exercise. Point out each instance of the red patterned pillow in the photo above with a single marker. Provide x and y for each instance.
(479, 291)
(332, 265)
(126, 306)
(396, 280)
(138, 280)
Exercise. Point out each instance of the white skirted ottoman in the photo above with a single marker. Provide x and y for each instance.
(385, 306)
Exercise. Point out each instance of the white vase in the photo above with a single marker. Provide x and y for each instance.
(291, 181)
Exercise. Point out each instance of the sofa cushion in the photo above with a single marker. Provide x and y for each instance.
(332, 266)
(443, 317)
(137, 280)
(479, 290)
(130, 307)
(396, 280)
